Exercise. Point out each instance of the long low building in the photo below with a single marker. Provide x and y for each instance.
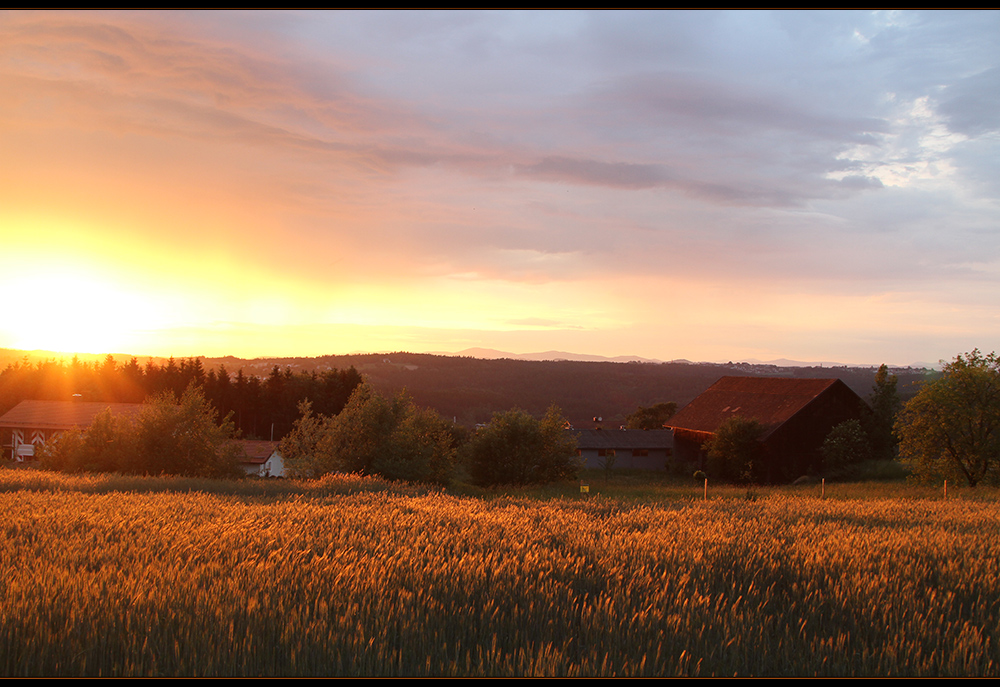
(643, 449)
(30, 424)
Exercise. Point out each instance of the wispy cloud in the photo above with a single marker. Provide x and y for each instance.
(464, 162)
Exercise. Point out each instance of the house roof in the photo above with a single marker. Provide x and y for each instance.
(623, 439)
(772, 401)
(257, 451)
(61, 414)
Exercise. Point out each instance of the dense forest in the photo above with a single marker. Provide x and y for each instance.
(262, 406)
(267, 391)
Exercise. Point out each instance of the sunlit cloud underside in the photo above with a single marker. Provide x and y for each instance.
(719, 185)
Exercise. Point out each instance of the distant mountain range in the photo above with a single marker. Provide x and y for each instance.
(493, 354)
(9, 355)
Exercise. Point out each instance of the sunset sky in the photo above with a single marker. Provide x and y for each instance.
(710, 186)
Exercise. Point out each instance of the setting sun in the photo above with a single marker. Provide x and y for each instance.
(66, 308)
(316, 183)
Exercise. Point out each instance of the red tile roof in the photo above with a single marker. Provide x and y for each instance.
(257, 451)
(772, 401)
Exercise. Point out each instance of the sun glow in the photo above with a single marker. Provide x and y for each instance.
(69, 309)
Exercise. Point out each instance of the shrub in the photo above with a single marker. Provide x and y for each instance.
(373, 435)
(515, 448)
(847, 443)
(166, 437)
(734, 449)
(185, 438)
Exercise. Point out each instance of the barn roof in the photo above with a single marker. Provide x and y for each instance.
(623, 439)
(62, 414)
(772, 401)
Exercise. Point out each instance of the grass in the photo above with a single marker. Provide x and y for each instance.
(115, 576)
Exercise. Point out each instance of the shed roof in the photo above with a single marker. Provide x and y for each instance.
(772, 401)
(62, 414)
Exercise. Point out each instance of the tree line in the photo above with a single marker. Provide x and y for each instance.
(391, 437)
(261, 407)
(367, 433)
(335, 422)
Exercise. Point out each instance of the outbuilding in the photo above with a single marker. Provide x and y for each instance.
(643, 449)
(262, 458)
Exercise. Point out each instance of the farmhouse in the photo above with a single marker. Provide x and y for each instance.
(32, 423)
(797, 415)
(646, 449)
(262, 459)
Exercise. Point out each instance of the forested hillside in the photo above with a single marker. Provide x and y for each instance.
(265, 391)
(471, 389)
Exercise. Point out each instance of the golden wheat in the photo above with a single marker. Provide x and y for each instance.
(146, 576)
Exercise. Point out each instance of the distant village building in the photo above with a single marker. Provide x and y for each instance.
(262, 459)
(644, 449)
(30, 424)
(797, 415)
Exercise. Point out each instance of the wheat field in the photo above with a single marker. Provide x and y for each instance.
(119, 576)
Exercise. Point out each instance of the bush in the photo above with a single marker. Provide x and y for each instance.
(372, 435)
(166, 437)
(515, 448)
(651, 418)
(184, 438)
(847, 443)
(734, 449)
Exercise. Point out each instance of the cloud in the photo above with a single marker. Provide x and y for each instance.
(972, 105)
(848, 152)
(619, 174)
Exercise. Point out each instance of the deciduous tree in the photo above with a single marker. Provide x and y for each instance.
(184, 438)
(652, 417)
(167, 437)
(734, 450)
(373, 435)
(515, 448)
(305, 449)
(103, 447)
(952, 426)
(845, 444)
(885, 403)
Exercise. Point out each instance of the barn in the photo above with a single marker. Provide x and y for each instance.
(797, 415)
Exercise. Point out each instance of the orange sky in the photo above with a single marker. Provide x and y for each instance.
(714, 186)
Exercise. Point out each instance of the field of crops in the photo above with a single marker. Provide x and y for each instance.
(149, 576)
